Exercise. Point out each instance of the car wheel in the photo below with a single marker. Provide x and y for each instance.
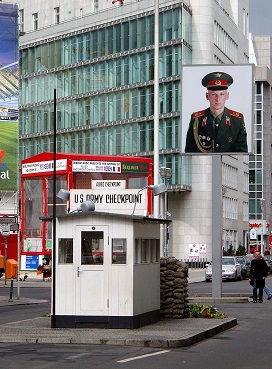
(207, 280)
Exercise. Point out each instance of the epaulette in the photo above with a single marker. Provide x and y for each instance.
(235, 114)
(198, 114)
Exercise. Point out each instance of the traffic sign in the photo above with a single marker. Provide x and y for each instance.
(14, 227)
(5, 229)
(6, 219)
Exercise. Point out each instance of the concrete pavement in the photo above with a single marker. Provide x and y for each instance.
(166, 333)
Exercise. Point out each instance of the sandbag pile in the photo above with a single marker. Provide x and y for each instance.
(174, 288)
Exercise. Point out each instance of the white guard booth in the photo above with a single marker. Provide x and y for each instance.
(107, 270)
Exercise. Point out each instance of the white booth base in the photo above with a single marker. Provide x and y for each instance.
(128, 322)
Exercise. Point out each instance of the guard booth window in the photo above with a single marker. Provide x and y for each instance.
(147, 251)
(119, 251)
(65, 251)
(92, 247)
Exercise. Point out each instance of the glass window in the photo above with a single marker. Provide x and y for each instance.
(133, 34)
(259, 146)
(259, 87)
(259, 117)
(33, 207)
(147, 251)
(92, 247)
(96, 6)
(35, 21)
(119, 251)
(21, 20)
(144, 251)
(117, 38)
(65, 251)
(56, 15)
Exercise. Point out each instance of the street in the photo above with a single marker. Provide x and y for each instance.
(245, 346)
(242, 287)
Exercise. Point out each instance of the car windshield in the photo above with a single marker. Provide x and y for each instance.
(228, 261)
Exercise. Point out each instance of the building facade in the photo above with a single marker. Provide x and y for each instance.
(99, 57)
(260, 164)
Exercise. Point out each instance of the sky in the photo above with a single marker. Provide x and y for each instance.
(260, 17)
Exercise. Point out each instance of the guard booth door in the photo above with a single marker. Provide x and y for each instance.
(92, 263)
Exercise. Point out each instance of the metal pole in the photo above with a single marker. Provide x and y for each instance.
(262, 245)
(18, 254)
(5, 258)
(11, 289)
(165, 225)
(162, 226)
(262, 201)
(156, 106)
(53, 319)
(216, 226)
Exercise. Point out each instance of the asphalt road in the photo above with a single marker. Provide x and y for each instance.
(242, 287)
(245, 346)
(13, 313)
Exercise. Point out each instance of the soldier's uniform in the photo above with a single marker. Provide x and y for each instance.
(206, 135)
(230, 137)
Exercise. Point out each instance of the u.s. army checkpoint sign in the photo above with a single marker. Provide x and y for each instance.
(111, 196)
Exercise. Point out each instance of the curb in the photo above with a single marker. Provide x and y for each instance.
(22, 301)
(218, 300)
(78, 336)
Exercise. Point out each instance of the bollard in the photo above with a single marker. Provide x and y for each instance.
(11, 289)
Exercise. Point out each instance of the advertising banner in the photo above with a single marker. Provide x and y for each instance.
(9, 82)
(217, 109)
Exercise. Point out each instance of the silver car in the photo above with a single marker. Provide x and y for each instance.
(231, 269)
(245, 266)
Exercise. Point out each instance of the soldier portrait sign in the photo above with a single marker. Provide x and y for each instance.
(217, 109)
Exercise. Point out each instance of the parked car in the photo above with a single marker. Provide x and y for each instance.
(245, 266)
(249, 256)
(231, 269)
(267, 258)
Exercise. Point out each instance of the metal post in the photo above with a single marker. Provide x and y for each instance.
(216, 226)
(19, 258)
(156, 106)
(262, 245)
(11, 289)
(165, 225)
(262, 219)
(5, 258)
(162, 226)
(53, 318)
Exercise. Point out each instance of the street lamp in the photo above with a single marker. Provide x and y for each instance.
(87, 205)
(166, 174)
(262, 202)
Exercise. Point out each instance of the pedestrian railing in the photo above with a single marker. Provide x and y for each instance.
(196, 264)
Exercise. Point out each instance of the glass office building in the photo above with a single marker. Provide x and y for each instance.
(103, 76)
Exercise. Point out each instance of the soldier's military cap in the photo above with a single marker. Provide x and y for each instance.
(217, 81)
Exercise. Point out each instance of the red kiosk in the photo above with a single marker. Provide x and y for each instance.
(114, 183)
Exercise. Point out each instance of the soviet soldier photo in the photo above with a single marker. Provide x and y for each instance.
(217, 129)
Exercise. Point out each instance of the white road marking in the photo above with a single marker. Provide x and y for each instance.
(78, 356)
(142, 356)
